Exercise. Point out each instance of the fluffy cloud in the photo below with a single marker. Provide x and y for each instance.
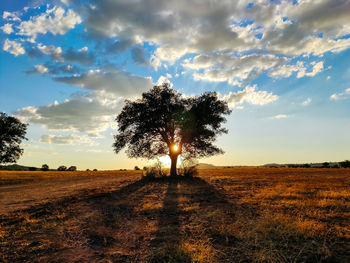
(55, 21)
(82, 113)
(280, 116)
(7, 28)
(13, 47)
(306, 102)
(70, 55)
(41, 69)
(287, 70)
(317, 68)
(10, 16)
(114, 81)
(249, 95)
(341, 95)
(232, 69)
(199, 27)
(65, 139)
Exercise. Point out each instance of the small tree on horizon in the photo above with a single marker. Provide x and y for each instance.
(12, 132)
(72, 168)
(62, 168)
(163, 122)
(44, 167)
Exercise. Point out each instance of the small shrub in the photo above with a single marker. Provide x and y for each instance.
(72, 168)
(154, 171)
(95, 170)
(188, 168)
(137, 168)
(62, 168)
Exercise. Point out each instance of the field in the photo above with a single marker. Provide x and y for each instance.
(223, 215)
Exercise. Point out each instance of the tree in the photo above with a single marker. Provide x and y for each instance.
(345, 164)
(44, 167)
(12, 132)
(62, 168)
(163, 122)
(137, 168)
(72, 168)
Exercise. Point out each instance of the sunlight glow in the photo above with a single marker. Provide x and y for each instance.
(175, 148)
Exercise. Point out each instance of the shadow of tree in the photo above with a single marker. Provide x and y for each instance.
(111, 225)
(167, 243)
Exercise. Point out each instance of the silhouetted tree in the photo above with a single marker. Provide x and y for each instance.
(72, 168)
(44, 167)
(137, 168)
(62, 168)
(12, 132)
(345, 164)
(163, 122)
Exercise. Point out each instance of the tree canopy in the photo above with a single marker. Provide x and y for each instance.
(163, 122)
(12, 132)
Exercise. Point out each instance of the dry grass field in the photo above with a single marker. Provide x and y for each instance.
(223, 215)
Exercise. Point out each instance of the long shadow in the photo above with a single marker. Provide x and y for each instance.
(167, 242)
(167, 245)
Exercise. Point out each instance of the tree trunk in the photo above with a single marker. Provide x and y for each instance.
(173, 159)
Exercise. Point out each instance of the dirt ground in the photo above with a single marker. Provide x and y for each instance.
(223, 215)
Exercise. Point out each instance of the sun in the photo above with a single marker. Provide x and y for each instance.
(175, 148)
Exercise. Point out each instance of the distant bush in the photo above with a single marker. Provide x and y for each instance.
(32, 168)
(62, 168)
(95, 170)
(72, 168)
(344, 164)
(88, 170)
(137, 168)
(325, 165)
(44, 167)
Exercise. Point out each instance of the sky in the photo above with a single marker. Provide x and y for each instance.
(67, 66)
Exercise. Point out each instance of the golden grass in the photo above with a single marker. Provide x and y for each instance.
(224, 215)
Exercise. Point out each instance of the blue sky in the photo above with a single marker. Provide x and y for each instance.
(283, 66)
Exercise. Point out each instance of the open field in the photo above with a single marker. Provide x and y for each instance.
(223, 215)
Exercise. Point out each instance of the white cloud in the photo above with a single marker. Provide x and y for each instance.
(224, 66)
(10, 16)
(41, 69)
(163, 79)
(190, 27)
(341, 95)
(280, 116)
(328, 77)
(55, 52)
(65, 139)
(306, 102)
(13, 47)
(84, 49)
(155, 62)
(249, 95)
(317, 68)
(115, 81)
(90, 113)
(7, 28)
(55, 21)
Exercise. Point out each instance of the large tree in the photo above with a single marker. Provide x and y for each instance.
(163, 122)
(12, 132)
